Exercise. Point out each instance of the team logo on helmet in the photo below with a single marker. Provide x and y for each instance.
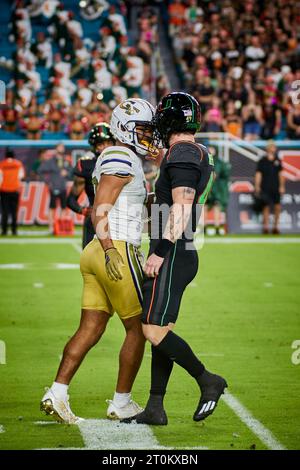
(132, 124)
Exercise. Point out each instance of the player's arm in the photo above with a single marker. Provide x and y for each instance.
(179, 215)
(72, 200)
(107, 192)
(257, 182)
(183, 198)
(281, 183)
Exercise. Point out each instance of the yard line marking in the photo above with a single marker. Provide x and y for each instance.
(252, 423)
(112, 435)
(77, 248)
(268, 284)
(193, 284)
(37, 241)
(199, 355)
(45, 423)
(12, 266)
(38, 285)
(103, 434)
(65, 265)
(19, 266)
(1, 429)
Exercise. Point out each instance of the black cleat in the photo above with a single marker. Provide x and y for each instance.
(150, 416)
(212, 387)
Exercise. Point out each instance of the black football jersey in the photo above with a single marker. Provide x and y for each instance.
(84, 169)
(185, 164)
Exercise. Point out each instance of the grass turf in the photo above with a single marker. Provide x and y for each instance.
(240, 315)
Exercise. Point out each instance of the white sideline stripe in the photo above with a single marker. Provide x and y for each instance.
(252, 423)
(208, 240)
(1, 429)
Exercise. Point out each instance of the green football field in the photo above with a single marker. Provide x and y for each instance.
(241, 315)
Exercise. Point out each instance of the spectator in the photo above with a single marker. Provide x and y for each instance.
(213, 117)
(219, 194)
(270, 186)
(271, 120)
(232, 121)
(55, 172)
(252, 118)
(293, 122)
(33, 124)
(11, 174)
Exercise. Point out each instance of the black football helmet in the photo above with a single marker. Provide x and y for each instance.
(176, 112)
(99, 133)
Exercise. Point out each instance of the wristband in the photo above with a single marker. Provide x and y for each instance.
(163, 247)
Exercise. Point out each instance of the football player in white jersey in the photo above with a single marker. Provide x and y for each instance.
(110, 264)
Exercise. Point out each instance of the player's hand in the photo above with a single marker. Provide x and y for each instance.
(113, 264)
(86, 211)
(153, 265)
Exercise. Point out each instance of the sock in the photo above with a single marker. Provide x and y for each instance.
(176, 349)
(161, 368)
(121, 399)
(60, 389)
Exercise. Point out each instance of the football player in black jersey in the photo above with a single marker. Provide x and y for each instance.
(99, 138)
(186, 176)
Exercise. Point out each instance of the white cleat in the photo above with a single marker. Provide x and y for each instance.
(58, 408)
(122, 412)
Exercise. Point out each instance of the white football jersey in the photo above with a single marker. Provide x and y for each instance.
(126, 216)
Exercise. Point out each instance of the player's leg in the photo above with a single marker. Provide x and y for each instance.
(131, 354)
(130, 358)
(266, 215)
(158, 297)
(125, 296)
(91, 328)
(277, 210)
(55, 402)
(96, 311)
(52, 207)
(14, 202)
(4, 212)
(63, 203)
(157, 324)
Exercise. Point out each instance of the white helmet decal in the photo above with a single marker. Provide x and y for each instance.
(126, 117)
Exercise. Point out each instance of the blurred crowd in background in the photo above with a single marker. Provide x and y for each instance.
(66, 72)
(240, 59)
(69, 65)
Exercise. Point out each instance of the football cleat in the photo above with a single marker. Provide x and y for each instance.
(212, 386)
(58, 408)
(122, 412)
(156, 417)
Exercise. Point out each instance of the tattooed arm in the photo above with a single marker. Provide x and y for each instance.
(183, 198)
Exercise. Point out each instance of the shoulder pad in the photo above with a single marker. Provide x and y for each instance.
(187, 152)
